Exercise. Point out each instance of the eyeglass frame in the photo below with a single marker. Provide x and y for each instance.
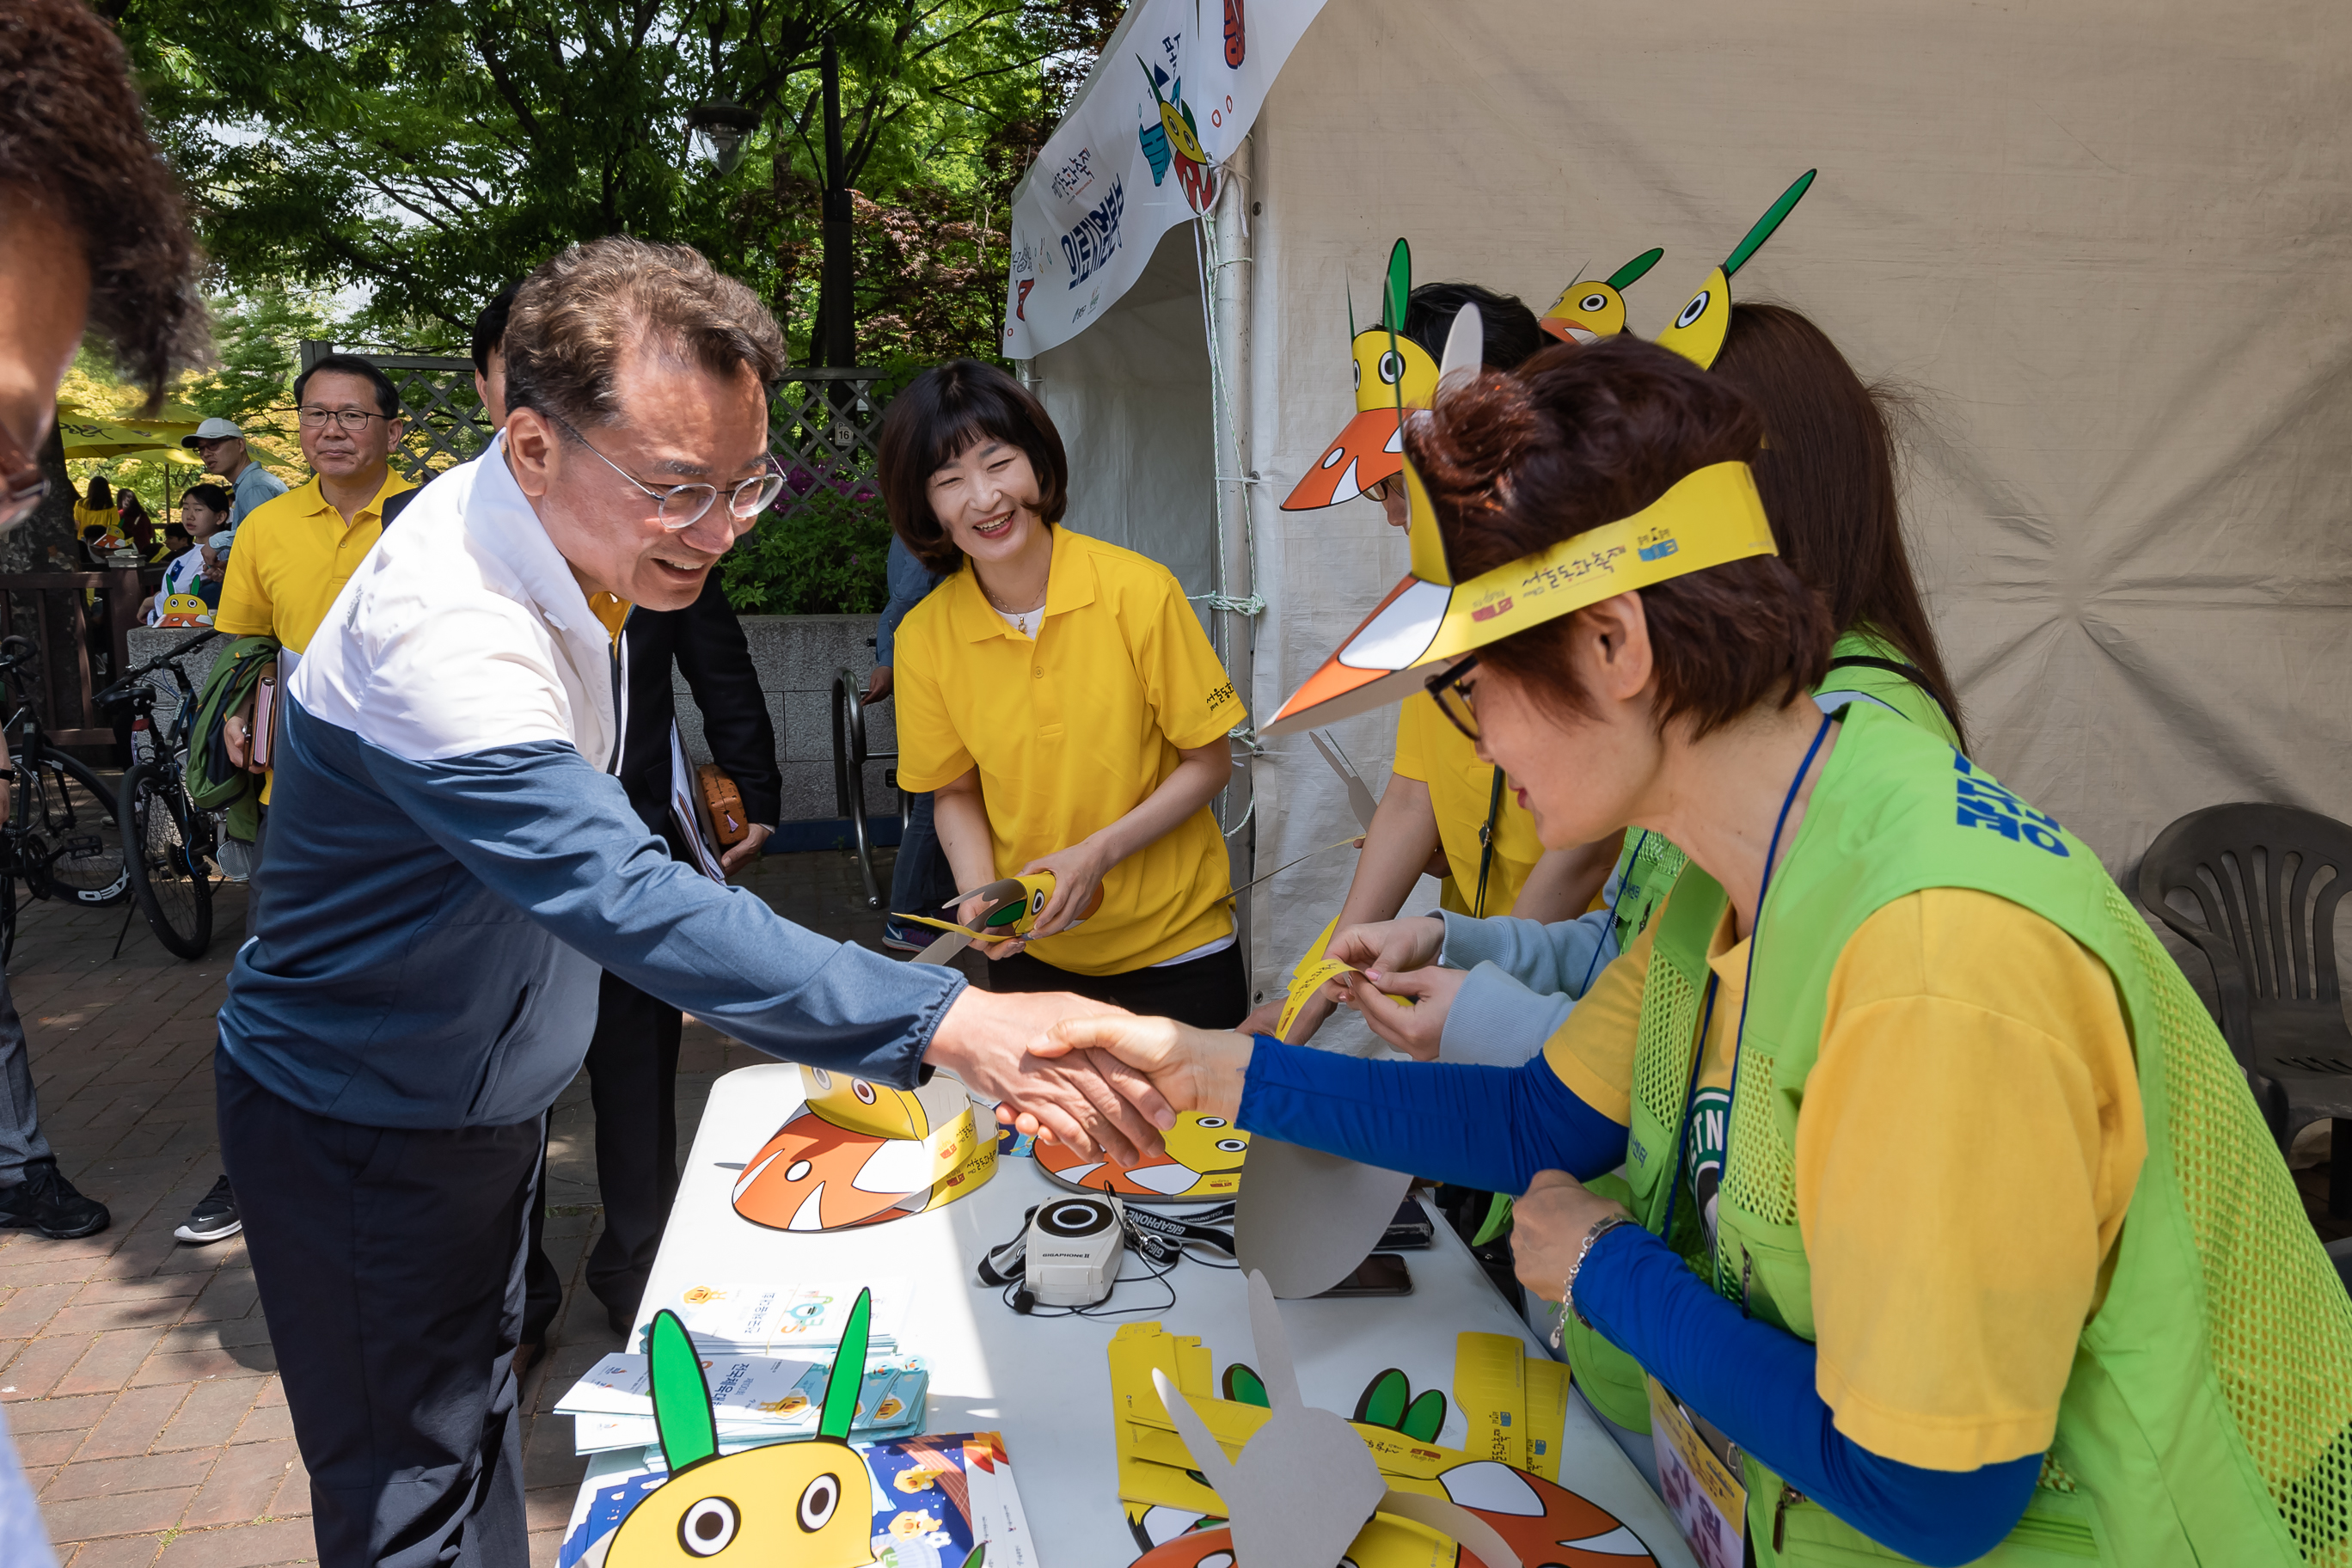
(317, 417)
(1447, 683)
(18, 502)
(771, 472)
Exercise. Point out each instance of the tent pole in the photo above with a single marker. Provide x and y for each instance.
(1229, 281)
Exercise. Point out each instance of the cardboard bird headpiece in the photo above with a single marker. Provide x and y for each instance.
(1586, 309)
(1392, 374)
(1711, 516)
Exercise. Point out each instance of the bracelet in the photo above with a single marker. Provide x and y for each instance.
(1600, 1227)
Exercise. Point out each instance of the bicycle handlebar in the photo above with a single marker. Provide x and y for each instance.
(121, 690)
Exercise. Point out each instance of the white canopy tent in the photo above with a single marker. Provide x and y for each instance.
(2107, 246)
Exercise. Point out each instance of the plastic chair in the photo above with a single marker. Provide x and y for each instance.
(2265, 881)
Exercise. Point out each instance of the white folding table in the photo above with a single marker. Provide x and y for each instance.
(1045, 1382)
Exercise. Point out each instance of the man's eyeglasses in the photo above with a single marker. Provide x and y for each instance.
(1455, 693)
(354, 420)
(680, 507)
(22, 484)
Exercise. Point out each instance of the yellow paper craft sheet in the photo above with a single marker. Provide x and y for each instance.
(1547, 1387)
(1490, 1390)
(1303, 985)
(1232, 1425)
(1315, 949)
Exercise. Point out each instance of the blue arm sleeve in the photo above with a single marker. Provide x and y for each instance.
(1755, 1383)
(1484, 1127)
(559, 840)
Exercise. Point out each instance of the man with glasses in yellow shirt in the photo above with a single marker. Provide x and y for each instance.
(293, 555)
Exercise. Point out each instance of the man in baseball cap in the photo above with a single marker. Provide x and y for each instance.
(221, 444)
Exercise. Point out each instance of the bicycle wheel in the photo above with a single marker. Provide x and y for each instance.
(72, 813)
(168, 875)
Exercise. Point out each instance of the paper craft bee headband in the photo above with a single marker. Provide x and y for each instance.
(1709, 517)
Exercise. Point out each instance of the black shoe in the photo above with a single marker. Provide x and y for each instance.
(45, 1201)
(214, 1217)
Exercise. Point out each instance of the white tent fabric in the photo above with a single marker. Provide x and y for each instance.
(2107, 246)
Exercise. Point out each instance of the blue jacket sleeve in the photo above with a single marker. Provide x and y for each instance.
(910, 584)
(1755, 1383)
(559, 840)
(1484, 1127)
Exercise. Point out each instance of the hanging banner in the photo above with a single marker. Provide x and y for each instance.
(1179, 85)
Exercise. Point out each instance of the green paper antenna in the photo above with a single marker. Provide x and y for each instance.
(849, 1374)
(1634, 270)
(1768, 223)
(682, 1416)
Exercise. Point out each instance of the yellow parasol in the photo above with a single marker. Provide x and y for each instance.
(88, 434)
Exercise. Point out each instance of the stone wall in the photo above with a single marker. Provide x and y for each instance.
(796, 656)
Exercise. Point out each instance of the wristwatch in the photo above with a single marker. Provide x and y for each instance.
(1600, 1227)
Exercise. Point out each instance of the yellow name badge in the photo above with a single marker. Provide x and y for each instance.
(1708, 1502)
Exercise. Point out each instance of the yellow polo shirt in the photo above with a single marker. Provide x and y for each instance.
(1461, 789)
(1969, 1139)
(293, 555)
(1074, 731)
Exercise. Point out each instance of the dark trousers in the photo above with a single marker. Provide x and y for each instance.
(390, 1267)
(1210, 992)
(633, 1086)
(921, 882)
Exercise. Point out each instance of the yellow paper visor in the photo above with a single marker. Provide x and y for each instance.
(1710, 517)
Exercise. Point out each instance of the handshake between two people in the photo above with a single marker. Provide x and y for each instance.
(1088, 1073)
(1096, 1077)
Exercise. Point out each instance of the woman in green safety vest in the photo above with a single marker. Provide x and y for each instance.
(1998, 1260)
(1827, 481)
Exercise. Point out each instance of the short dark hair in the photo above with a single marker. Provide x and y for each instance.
(387, 396)
(73, 140)
(943, 412)
(1511, 331)
(1585, 435)
(214, 496)
(581, 311)
(490, 326)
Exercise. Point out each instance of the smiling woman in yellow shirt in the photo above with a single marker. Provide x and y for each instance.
(1059, 695)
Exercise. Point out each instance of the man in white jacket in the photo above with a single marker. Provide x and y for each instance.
(425, 977)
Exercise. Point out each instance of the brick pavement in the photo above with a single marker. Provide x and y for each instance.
(136, 1372)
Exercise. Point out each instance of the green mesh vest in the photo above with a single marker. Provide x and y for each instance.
(1860, 663)
(2207, 1419)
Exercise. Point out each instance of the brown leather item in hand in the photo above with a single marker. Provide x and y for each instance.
(725, 803)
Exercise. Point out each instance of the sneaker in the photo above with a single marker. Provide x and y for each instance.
(897, 940)
(45, 1201)
(214, 1217)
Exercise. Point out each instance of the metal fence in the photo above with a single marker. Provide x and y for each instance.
(821, 422)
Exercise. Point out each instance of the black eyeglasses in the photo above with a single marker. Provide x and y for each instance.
(354, 420)
(1454, 695)
(23, 486)
(680, 507)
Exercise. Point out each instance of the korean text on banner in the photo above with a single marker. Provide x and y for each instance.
(1139, 152)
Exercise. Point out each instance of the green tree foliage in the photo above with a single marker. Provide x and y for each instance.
(428, 151)
(825, 557)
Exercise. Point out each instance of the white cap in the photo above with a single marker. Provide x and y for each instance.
(210, 430)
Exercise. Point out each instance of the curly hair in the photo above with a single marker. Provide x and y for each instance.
(73, 139)
(1581, 437)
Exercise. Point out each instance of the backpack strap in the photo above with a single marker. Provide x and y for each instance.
(395, 505)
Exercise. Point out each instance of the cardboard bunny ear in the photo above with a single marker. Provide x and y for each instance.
(682, 1417)
(849, 1374)
(1697, 331)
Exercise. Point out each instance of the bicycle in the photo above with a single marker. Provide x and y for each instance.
(62, 838)
(171, 839)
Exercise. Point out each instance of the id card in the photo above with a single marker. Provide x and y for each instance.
(1706, 1499)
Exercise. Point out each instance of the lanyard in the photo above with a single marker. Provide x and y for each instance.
(1486, 846)
(1755, 937)
(1632, 863)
